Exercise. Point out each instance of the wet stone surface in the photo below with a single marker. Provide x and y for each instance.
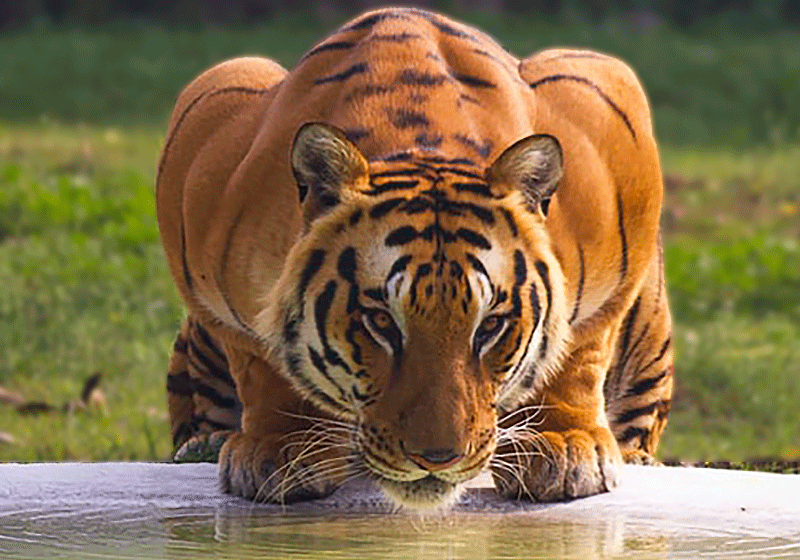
(137, 510)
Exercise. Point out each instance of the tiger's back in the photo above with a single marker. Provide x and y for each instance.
(409, 86)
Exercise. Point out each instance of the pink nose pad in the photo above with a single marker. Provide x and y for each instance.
(433, 460)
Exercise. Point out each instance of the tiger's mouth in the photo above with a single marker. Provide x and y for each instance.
(427, 492)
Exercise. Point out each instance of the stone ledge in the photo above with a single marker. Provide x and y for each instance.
(681, 505)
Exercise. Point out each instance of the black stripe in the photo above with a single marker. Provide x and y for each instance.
(187, 276)
(514, 349)
(375, 294)
(401, 236)
(364, 398)
(579, 292)
(634, 413)
(483, 214)
(473, 81)
(315, 261)
(660, 354)
(406, 118)
(319, 363)
(290, 332)
(210, 342)
(512, 225)
(482, 150)
(469, 99)
(477, 264)
(427, 141)
(213, 424)
(384, 207)
(422, 271)
(627, 328)
(179, 345)
(417, 205)
(409, 76)
(368, 22)
(347, 264)
(520, 276)
(331, 46)
(460, 172)
(394, 37)
(352, 299)
(481, 189)
(473, 238)
(444, 27)
(293, 367)
(358, 68)
(206, 364)
(399, 266)
(634, 432)
(645, 385)
(595, 88)
(180, 383)
(322, 307)
(456, 161)
(395, 173)
(536, 306)
(355, 217)
(623, 267)
(541, 268)
(400, 156)
(356, 134)
(208, 392)
(391, 186)
(520, 268)
(352, 328)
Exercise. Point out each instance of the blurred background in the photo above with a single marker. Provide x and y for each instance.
(88, 311)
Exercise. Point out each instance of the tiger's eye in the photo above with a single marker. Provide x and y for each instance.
(381, 319)
(490, 324)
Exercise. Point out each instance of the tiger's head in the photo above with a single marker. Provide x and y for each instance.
(422, 300)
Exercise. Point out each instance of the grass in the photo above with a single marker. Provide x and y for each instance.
(725, 87)
(86, 288)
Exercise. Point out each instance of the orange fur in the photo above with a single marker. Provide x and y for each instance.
(424, 121)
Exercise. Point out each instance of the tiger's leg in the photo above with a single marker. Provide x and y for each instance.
(203, 405)
(638, 387)
(558, 445)
(287, 450)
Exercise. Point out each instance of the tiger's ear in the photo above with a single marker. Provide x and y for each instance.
(533, 165)
(324, 163)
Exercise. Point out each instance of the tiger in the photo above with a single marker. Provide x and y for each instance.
(412, 258)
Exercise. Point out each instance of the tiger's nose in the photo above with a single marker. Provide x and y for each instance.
(433, 460)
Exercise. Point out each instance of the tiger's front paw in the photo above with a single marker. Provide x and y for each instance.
(277, 469)
(202, 448)
(554, 466)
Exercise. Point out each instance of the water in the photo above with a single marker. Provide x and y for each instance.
(165, 511)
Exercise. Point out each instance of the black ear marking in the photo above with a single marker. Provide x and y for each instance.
(324, 163)
(533, 165)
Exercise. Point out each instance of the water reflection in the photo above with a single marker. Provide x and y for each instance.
(230, 528)
(404, 536)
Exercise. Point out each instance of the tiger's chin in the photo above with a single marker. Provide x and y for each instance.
(427, 493)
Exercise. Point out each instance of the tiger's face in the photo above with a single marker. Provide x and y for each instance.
(421, 302)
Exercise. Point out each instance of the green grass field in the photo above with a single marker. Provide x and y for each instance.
(86, 287)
